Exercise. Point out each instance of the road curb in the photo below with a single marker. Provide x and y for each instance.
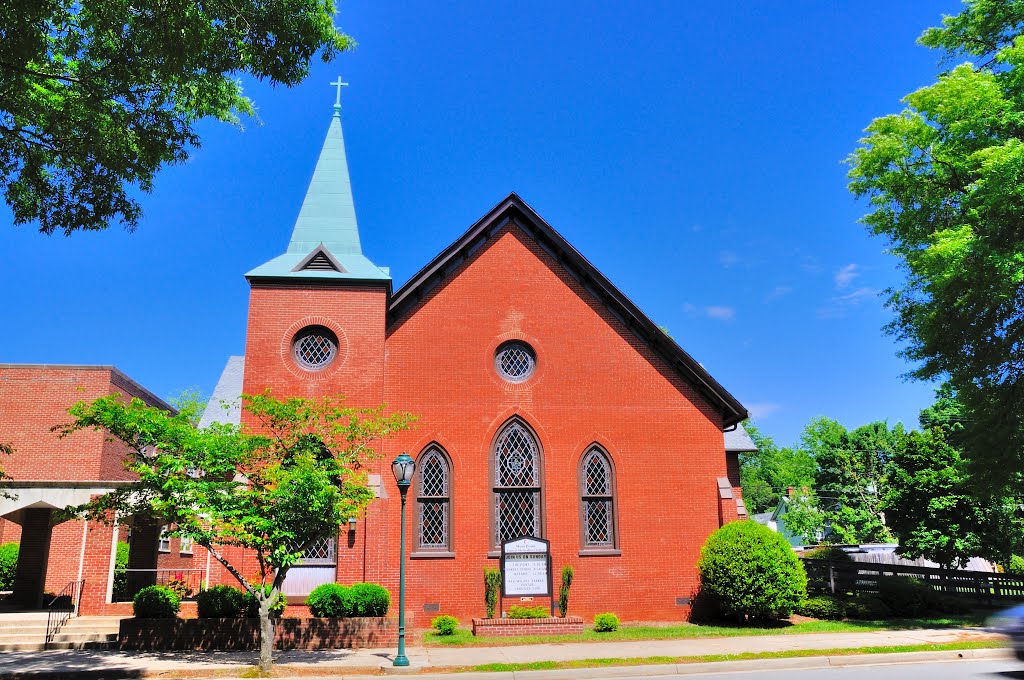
(697, 668)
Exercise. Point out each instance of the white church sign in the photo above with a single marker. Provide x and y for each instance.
(526, 567)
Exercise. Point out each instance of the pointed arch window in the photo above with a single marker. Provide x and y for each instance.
(517, 484)
(598, 525)
(433, 496)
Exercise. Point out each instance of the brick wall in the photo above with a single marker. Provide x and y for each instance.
(570, 625)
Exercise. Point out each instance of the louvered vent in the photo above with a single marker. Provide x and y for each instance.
(321, 263)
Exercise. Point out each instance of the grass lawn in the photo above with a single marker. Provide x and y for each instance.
(464, 638)
(643, 661)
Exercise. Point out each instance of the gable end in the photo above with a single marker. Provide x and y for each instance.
(514, 210)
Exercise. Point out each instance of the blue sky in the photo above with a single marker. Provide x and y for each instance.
(692, 152)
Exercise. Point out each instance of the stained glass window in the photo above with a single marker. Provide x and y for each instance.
(597, 490)
(517, 501)
(315, 347)
(434, 501)
(515, 361)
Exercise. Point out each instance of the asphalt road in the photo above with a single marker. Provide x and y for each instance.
(949, 670)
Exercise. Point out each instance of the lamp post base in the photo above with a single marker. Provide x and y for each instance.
(391, 669)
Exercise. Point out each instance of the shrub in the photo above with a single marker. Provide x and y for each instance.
(905, 596)
(277, 605)
(330, 600)
(120, 572)
(563, 592)
(220, 602)
(822, 607)
(605, 623)
(156, 602)
(179, 585)
(492, 582)
(752, 572)
(828, 552)
(8, 565)
(445, 624)
(867, 607)
(369, 599)
(538, 612)
(1014, 566)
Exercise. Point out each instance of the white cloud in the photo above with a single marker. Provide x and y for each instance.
(727, 258)
(721, 313)
(762, 409)
(717, 312)
(777, 292)
(839, 305)
(845, 276)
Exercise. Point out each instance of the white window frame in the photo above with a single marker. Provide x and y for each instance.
(163, 543)
(185, 545)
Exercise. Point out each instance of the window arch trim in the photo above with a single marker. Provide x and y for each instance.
(591, 495)
(433, 452)
(496, 489)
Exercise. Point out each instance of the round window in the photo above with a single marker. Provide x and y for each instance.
(515, 361)
(314, 347)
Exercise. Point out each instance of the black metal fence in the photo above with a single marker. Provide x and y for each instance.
(841, 577)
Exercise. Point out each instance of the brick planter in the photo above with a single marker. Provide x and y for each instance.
(243, 634)
(515, 627)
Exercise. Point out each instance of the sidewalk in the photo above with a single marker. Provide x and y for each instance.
(95, 664)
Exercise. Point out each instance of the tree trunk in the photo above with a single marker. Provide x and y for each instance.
(266, 630)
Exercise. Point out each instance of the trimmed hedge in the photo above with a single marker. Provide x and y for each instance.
(221, 602)
(606, 623)
(369, 599)
(330, 600)
(445, 624)
(823, 607)
(156, 602)
(751, 572)
(538, 612)
(334, 600)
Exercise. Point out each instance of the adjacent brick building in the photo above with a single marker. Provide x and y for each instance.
(548, 403)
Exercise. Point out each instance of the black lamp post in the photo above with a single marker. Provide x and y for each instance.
(403, 467)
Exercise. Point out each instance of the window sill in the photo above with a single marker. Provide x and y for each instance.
(494, 554)
(431, 555)
(600, 552)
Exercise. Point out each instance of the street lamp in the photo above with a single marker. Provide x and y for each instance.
(403, 467)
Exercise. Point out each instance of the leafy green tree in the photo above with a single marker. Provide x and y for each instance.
(929, 508)
(944, 182)
(97, 95)
(274, 489)
(930, 502)
(849, 477)
(765, 474)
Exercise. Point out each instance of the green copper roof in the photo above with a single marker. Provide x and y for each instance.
(327, 221)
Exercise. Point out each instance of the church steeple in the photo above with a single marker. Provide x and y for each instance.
(325, 239)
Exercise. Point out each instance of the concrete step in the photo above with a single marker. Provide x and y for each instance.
(110, 642)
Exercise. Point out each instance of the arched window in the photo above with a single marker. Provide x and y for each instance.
(517, 495)
(433, 496)
(597, 501)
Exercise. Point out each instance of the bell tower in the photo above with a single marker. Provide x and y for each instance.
(317, 312)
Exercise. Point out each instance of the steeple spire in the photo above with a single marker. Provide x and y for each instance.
(326, 221)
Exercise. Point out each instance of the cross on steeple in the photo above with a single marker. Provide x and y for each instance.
(337, 100)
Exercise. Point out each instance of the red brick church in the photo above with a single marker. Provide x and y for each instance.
(549, 405)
